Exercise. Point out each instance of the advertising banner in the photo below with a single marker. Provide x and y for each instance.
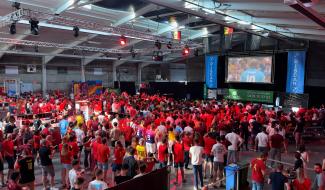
(251, 95)
(296, 72)
(211, 65)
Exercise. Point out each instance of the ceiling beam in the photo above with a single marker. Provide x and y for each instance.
(133, 15)
(65, 6)
(18, 37)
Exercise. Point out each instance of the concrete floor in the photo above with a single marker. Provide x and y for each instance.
(316, 149)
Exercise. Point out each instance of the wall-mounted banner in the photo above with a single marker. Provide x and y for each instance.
(251, 95)
(296, 72)
(211, 65)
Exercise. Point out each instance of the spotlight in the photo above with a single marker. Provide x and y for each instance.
(169, 45)
(76, 31)
(132, 52)
(36, 49)
(186, 50)
(12, 28)
(34, 26)
(119, 56)
(123, 40)
(157, 56)
(16, 5)
(158, 44)
(196, 52)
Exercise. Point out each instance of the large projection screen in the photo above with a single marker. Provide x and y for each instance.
(257, 69)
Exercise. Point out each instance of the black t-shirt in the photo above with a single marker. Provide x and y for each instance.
(132, 165)
(121, 179)
(244, 127)
(26, 170)
(44, 154)
(9, 128)
(298, 164)
(278, 180)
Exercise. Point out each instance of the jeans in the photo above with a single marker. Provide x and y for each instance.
(275, 154)
(86, 163)
(257, 186)
(262, 149)
(186, 158)
(197, 170)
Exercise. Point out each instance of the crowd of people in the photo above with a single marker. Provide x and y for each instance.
(133, 135)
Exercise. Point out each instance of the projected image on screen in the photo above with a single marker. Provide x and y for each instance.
(250, 69)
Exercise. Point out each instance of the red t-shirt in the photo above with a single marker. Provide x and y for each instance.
(102, 153)
(208, 144)
(178, 150)
(257, 167)
(8, 146)
(306, 185)
(67, 159)
(94, 147)
(162, 152)
(74, 148)
(119, 154)
(187, 142)
(150, 164)
(37, 140)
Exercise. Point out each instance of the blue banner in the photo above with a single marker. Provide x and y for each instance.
(211, 64)
(296, 72)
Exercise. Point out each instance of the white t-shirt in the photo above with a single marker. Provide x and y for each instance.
(188, 129)
(162, 129)
(262, 139)
(72, 177)
(234, 139)
(196, 155)
(80, 136)
(218, 151)
(97, 185)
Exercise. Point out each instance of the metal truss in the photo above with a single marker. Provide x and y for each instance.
(12, 17)
(78, 48)
(69, 21)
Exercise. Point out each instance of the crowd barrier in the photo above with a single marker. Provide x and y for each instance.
(157, 180)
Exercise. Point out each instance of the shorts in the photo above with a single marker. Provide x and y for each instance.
(179, 165)
(218, 166)
(102, 166)
(67, 166)
(46, 170)
(11, 162)
(208, 158)
(151, 148)
(116, 167)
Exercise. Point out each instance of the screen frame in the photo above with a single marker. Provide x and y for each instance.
(245, 56)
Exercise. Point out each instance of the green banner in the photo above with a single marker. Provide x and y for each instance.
(251, 95)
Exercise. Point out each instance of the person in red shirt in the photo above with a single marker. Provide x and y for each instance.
(94, 149)
(74, 147)
(36, 144)
(8, 153)
(150, 162)
(119, 153)
(178, 153)
(301, 182)
(66, 159)
(103, 156)
(258, 171)
(163, 153)
(209, 141)
(187, 140)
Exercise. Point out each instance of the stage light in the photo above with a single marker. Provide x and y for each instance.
(76, 31)
(119, 56)
(196, 52)
(157, 56)
(34, 26)
(12, 28)
(169, 45)
(186, 50)
(132, 52)
(123, 40)
(158, 44)
(16, 5)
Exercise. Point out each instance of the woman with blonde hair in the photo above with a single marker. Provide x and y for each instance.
(301, 182)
